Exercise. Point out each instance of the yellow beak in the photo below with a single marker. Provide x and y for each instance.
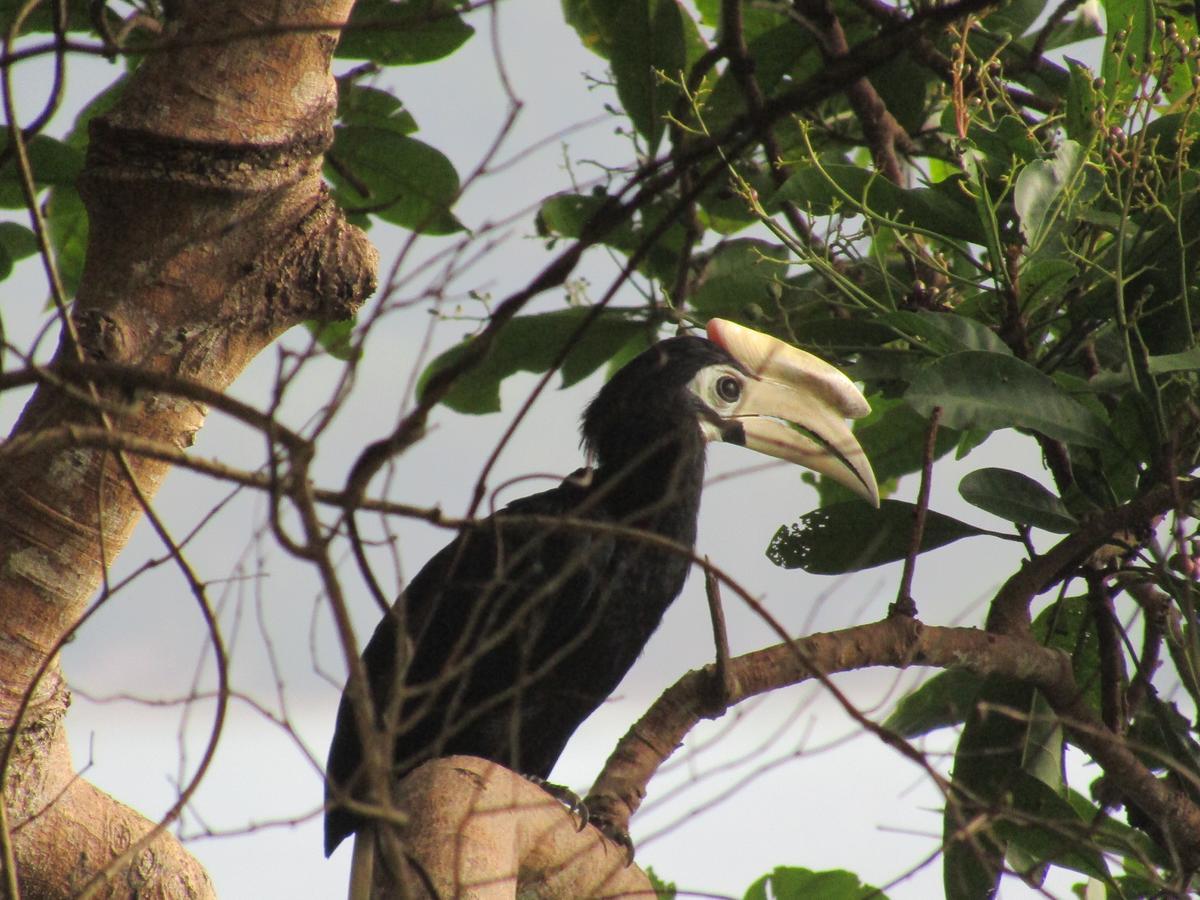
(796, 406)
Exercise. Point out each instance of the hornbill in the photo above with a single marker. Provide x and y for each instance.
(520, 627)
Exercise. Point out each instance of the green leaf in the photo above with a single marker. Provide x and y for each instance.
(945, 332)
(16, 242)
(1112, 834)
(400, 179)
(787, 883)
(825, 189)
(944, 700)
(335, 338)
(1009, 139)
(1041, 190)
(570, 215)
(40, 16)
(532, 344)
(986, 761)
(1187, 361)
(663, 889)
(781, 48)
(403, 32)
(1044, 280)
(727, 211)
(830, 540)
(53, 163)
(1049, 831)
(1068, 625)
(100, 104)
(977, 389)
(359, 105)
(893, 439)
(67, 224)
(739, 273)
(1136, 19)
(1017, 498)
(581, 16)
(642, 38)
(1083, 103)
(1015, 18)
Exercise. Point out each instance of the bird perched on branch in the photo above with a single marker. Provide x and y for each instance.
(518, 629)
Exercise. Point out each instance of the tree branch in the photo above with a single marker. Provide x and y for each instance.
(899, 643)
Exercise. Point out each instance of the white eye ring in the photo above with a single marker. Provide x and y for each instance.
(719, 387)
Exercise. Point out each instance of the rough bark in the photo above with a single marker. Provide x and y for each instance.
(477, 830)
(210, 234)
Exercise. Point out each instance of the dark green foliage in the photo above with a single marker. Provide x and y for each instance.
(1018, 498)
(533, 344)
(829, 540)
(403, 33)
(52, 163)
(397, 178)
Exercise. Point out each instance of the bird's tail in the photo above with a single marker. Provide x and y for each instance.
(362, 864)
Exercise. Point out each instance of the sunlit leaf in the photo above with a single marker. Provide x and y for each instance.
(1135, 20)
(1187, 361)
(1041, 187)
(787, 883)
(360, 105)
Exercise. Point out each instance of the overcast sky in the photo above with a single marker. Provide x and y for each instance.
(805, 789)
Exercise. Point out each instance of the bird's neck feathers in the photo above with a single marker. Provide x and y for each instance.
(642, 431)
(649, 463)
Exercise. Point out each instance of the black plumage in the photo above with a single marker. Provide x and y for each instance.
(520, 629)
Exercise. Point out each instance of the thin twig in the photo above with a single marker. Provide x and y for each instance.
(725, 680)
(904, 604)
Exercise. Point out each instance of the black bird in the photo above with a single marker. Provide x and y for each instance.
(518, 629)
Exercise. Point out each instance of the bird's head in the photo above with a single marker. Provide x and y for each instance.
(742, 387)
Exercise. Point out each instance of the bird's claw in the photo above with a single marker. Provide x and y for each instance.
(565, 796)
(616, 834)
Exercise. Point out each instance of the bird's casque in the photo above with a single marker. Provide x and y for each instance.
(527, 621)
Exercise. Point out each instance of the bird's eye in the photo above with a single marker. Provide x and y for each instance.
(728, 388)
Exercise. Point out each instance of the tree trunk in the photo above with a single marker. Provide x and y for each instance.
(210, 234)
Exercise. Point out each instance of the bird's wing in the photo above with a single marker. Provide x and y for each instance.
(493, 620)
